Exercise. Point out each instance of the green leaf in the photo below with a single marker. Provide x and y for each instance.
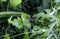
(25, 19)
(10, 21)
(45, 34)
(26, 35)
(36, 27)
(48, 10)
(15, 3)
(42, 15)
(3, 0)
(6, 36)
(16, 22)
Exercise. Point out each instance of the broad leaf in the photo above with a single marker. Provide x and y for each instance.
(14, 3)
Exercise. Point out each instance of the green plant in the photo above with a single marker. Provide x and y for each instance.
(20, 25)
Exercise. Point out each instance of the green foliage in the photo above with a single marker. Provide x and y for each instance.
(20, 22)
(3, 0)
(15, 3)
(6, 36)
(20, 25)
(17, 22)
(25, 19)
(26, 35)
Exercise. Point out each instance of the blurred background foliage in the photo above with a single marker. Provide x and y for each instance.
(29, 19)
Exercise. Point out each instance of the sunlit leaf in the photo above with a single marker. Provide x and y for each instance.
(6, 36)
(14, 3)
(10, 21)
(16, 22)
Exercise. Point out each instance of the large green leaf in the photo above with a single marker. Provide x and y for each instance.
(14, 3)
